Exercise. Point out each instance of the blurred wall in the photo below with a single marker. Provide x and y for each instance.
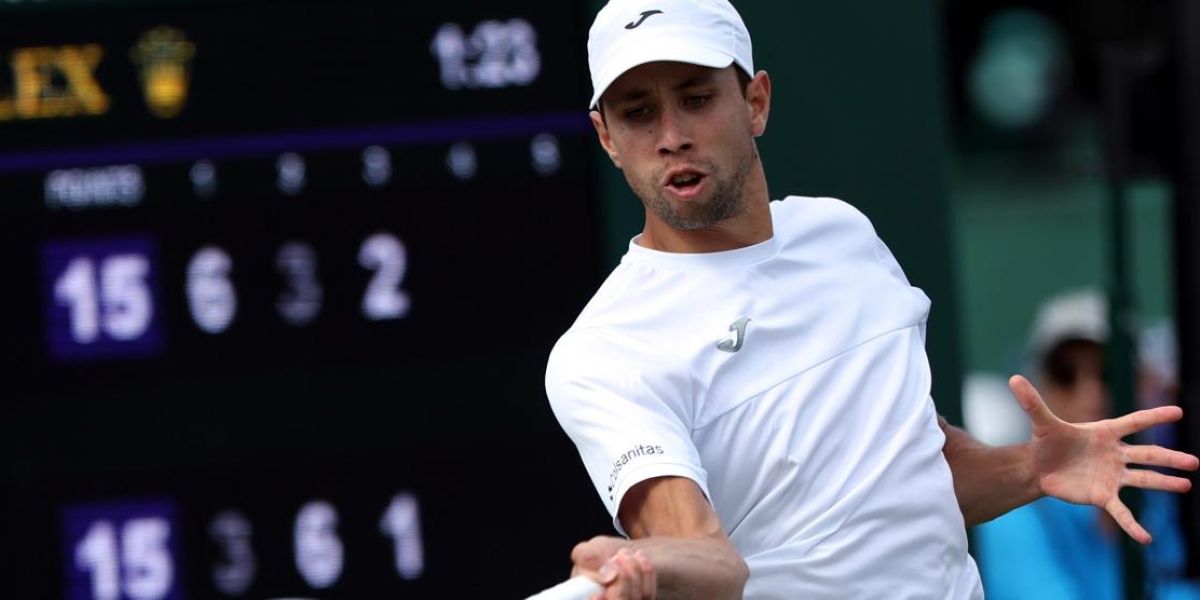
(1019, 245)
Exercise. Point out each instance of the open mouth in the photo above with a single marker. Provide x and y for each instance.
(685, 183)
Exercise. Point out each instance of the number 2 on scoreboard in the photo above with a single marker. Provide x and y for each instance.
(385, 254)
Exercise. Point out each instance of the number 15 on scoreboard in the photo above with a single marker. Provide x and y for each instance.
(99, 298)
(122, 551)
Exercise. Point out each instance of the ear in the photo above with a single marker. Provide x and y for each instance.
(605, 138)
(758, 102)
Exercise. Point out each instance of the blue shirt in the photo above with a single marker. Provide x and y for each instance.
(1055, 550)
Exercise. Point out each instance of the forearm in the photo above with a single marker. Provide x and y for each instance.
(988, 481)
(694, 567)
(685, 566)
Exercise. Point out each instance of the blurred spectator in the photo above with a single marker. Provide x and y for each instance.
(1158, 384)
(1052, 549)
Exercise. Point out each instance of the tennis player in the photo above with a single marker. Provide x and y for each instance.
(749, 390)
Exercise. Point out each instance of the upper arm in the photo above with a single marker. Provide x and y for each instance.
(669, 506)
(956, 443)
(629, 423)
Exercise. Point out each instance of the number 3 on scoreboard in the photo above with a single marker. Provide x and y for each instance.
(385, 254)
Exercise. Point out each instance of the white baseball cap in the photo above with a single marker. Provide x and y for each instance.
(1075, 315)
(628, 33)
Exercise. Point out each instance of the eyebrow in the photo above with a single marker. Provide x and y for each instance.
(691, 82)
(696, 81)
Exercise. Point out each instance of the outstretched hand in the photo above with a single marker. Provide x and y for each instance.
(1087, 463)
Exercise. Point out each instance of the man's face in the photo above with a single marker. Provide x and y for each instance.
(683, 136)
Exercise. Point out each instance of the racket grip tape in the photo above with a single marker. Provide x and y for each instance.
(575, 588)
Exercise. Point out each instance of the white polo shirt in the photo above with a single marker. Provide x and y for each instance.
(789, 381)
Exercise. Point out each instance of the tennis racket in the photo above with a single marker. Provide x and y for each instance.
(575, 588)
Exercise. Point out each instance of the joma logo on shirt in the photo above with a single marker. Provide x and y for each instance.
(734, 342)
(621, 461)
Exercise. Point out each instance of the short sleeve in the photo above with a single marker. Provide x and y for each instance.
(627, 415)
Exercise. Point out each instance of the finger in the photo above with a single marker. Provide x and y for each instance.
(607, 574)
(633, 576)
(1156, 456)
(1121, 514)
(1145, 419)
(1031, 401)
(1153, 480)
(649, 583)
(591, 554)
(585, 555)
(613, 577)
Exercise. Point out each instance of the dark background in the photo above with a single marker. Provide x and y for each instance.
(446, 403)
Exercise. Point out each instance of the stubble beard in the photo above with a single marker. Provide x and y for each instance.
(726, 200)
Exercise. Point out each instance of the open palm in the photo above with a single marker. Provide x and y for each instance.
(1087, 463)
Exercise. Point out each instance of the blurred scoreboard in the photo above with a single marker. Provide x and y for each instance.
(279, 283)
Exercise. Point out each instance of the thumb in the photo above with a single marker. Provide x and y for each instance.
(1040, 416)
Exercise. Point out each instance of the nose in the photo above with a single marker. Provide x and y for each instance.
(674, 135)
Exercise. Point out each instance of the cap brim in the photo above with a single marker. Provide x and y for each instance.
(668, 49)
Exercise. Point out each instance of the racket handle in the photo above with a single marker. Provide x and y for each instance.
(575, 588)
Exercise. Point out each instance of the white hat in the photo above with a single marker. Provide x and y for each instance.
(628, 33)
(1078, 315)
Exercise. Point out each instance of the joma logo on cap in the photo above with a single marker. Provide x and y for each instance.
(645, 15)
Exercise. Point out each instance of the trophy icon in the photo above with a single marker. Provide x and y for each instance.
(164, 56)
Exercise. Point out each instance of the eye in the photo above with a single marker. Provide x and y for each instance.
(637, 113)
(696, 100)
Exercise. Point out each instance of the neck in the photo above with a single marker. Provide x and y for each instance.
(750, 226)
